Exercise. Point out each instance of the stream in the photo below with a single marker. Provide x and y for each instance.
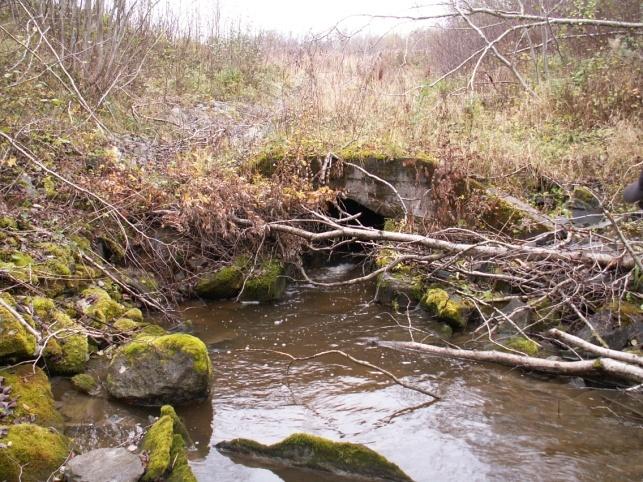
(493, 423)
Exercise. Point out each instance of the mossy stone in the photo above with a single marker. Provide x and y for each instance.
(181, 471)
(67, 353)
(15, 340)
(32, 453)
(84, 383)
(267, 283)
(158, 444)
(101, 306)
(523, 345)
(154, 370)
(31, 391)
(445, 308)
(223, 283)
(8, 223)
(125, 324)
(313, 452)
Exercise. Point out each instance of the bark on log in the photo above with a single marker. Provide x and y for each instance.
(597, 367)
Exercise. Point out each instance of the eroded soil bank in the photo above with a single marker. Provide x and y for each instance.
(493, 423)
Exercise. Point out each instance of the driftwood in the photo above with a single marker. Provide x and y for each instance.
(598, 367)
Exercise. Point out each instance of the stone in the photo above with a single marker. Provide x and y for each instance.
(446, 308)
(620, 325)
(105, 465)
(15, 341)
(164, 444)
(31, 391)
(31, 453)
(398, 289)
(317, 453)
(154, 370)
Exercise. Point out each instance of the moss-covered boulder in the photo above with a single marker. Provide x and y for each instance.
(317, 453)
(15, 341)
(224, 283)
(267, 282)
(30, 453)
(31, 392)
(154, 370)
(166, 450)
(446, 308)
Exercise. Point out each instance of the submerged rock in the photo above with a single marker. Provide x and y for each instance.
(30, 453)
(153, 370)
(105, 465)
(446, 308)
(310, 451)
(31, 392)
(166, 451)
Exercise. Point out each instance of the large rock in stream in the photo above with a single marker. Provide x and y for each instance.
(105, 465)
(317, 453)
(154, 370)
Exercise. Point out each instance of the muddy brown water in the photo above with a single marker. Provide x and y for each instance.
(492, 424)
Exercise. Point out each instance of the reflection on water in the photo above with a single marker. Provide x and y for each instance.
(493, 424)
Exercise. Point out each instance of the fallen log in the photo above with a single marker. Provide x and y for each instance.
(630, 358)
(597, 367)
(487, 248)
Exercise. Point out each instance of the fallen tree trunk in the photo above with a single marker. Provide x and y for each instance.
(526, 253)
(630, 358)
(596, 367)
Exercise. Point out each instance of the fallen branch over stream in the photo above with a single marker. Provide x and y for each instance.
(524, 252)
(597, 367)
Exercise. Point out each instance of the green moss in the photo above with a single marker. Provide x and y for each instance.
(101, 305)
(179, 426)
(69, 351)
(8, 223)
(267, 284)
(32, 453)
(42, 306)
(440, 305)
(134, 314)
(168, 345)
(523, 345)
(318, 453)
(223, 283)
(31, 390)
(84, 383)
(81, 242)
(50, 186)
(20, 259)
(158, 443)
(15, 340)
(152, 330)
(57, 250)
(180, 470)
(125, 324)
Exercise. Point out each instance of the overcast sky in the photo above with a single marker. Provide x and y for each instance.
(301, 17)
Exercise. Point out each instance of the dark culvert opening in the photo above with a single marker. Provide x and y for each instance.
(348, 251)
